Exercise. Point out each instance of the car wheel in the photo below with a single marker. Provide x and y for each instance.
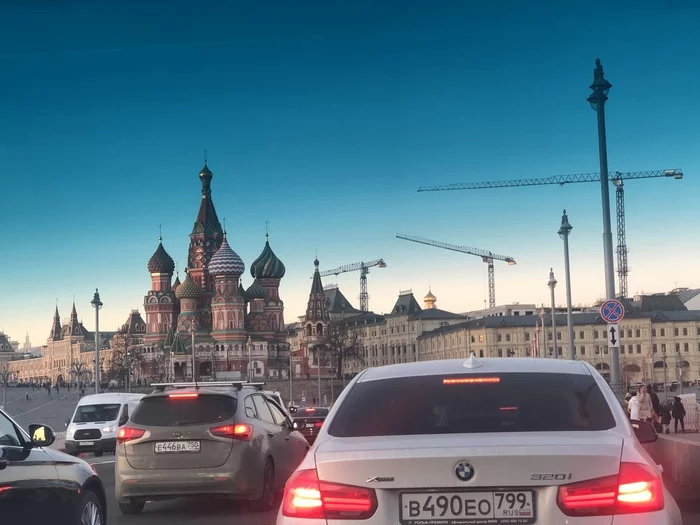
(267, 499)
(133, 506)
(90, 511)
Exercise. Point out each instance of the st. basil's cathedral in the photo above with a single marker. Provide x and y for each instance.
(234, 328)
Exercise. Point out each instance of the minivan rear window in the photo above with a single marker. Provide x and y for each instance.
(164, 411)
(96, 413)
(464, 404)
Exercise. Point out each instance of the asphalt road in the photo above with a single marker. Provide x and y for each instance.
(54, 411)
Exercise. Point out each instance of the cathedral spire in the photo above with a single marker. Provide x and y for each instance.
(317, 309)
(207, 221)
(56, 331)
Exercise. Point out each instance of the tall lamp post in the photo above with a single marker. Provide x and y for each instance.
(291, 392)
(597, 99)
(193, 330)
(552, 283)
(97, 304)
(249, 344)
(564, 231)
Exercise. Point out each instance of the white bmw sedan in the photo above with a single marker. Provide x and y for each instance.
(479, 441)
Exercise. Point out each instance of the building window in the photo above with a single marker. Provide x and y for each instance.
(583, 350)
(663, 332)
(580, 335)
(654, 349)
(549, 335)
(481, 340)
(481, 353)
(507, 337)
(622, 349)
(685, 347)
(500, 353)
(639, 349)
(638, 333)
(653, 332)
(595, 334)
(663, 348)
(473, 339)
(498, 337)
(685, 331)
(678, 347)
(527, 336)
(675, 331)
(559, 336)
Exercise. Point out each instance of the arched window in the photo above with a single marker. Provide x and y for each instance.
(319, 329)
(308, 329)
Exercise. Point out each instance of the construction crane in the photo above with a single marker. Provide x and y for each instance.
(616, 178)
(485, 255)
(363, 267)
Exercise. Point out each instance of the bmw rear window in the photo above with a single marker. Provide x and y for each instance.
(513, 402)
(164, 411)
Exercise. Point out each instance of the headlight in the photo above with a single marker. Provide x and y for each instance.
(108, 429)
(69, 433)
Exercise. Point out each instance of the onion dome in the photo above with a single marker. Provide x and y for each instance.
(255, 291)
(188, 289)
(225, 261)
(160, 261)
(267, 265)
(430, 297)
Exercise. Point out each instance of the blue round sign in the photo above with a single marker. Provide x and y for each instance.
(612, 311)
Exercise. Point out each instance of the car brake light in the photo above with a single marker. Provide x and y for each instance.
(240, 431)
(471, 380)
(127, 434)
(309, 410)
(305, 496)
(318, 424)
(183, 395)
(635, 489)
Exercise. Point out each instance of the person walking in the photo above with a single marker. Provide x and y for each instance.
(655, 406)
(678, 413)
(640, 405)
(666, 417)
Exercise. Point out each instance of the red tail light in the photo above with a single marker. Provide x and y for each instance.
(307, 497)
(635, 489)
(127, 434)
(183, 395)
(318, 424)
(241, 431)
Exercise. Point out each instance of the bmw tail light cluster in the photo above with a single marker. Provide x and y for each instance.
(635, 489)
(305, 496)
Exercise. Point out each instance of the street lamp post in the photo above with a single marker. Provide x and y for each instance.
(552, 283)
(564, 231)
(97, 304)
(291, 392)
(193, 331)
(5, 374)
(597, 99)
(249, 344)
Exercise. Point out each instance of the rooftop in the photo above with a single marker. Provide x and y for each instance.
(487, 366)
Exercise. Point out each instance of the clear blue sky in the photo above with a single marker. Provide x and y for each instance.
(323, 118)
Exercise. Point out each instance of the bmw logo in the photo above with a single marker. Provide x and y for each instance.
(464, 471)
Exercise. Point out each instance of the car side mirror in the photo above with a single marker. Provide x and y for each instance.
(644, 431)
(42, 435)
(292, 410)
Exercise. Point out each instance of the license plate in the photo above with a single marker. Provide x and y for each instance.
(86, 443)
(168, 447)
(498, 507)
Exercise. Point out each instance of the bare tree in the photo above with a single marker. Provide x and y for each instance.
(126, 358)
(5, 374)
(79, 369)
(342, 346)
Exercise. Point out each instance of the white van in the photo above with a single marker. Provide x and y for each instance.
(96, 420)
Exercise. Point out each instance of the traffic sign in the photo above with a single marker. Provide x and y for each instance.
(612, 311)
(613, 335)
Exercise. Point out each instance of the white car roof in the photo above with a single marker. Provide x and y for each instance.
(109, 397)
(476, 365)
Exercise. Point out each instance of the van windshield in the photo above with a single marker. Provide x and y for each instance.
(96, 413)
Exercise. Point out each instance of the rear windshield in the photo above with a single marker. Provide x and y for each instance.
(96, 413)
(311, 412)
(511, 402)
(164, 411)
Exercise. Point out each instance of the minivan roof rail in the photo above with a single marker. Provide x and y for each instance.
(160, 387)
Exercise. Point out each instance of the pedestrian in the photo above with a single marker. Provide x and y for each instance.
(666, 417)
(640, 405)
(655, 405)
(678, 413)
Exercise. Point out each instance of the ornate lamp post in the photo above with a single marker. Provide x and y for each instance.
(552, 283)
(97, 304)
(564, 231)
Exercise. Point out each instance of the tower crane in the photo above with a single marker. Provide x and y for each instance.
(363, 268)
(616, 178)
(485, 255)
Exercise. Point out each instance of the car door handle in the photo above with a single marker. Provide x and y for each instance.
(270, 433)
(286, 438)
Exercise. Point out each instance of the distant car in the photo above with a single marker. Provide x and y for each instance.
(499, 441)
(40, 485)
(310, 421)
(220, 439)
